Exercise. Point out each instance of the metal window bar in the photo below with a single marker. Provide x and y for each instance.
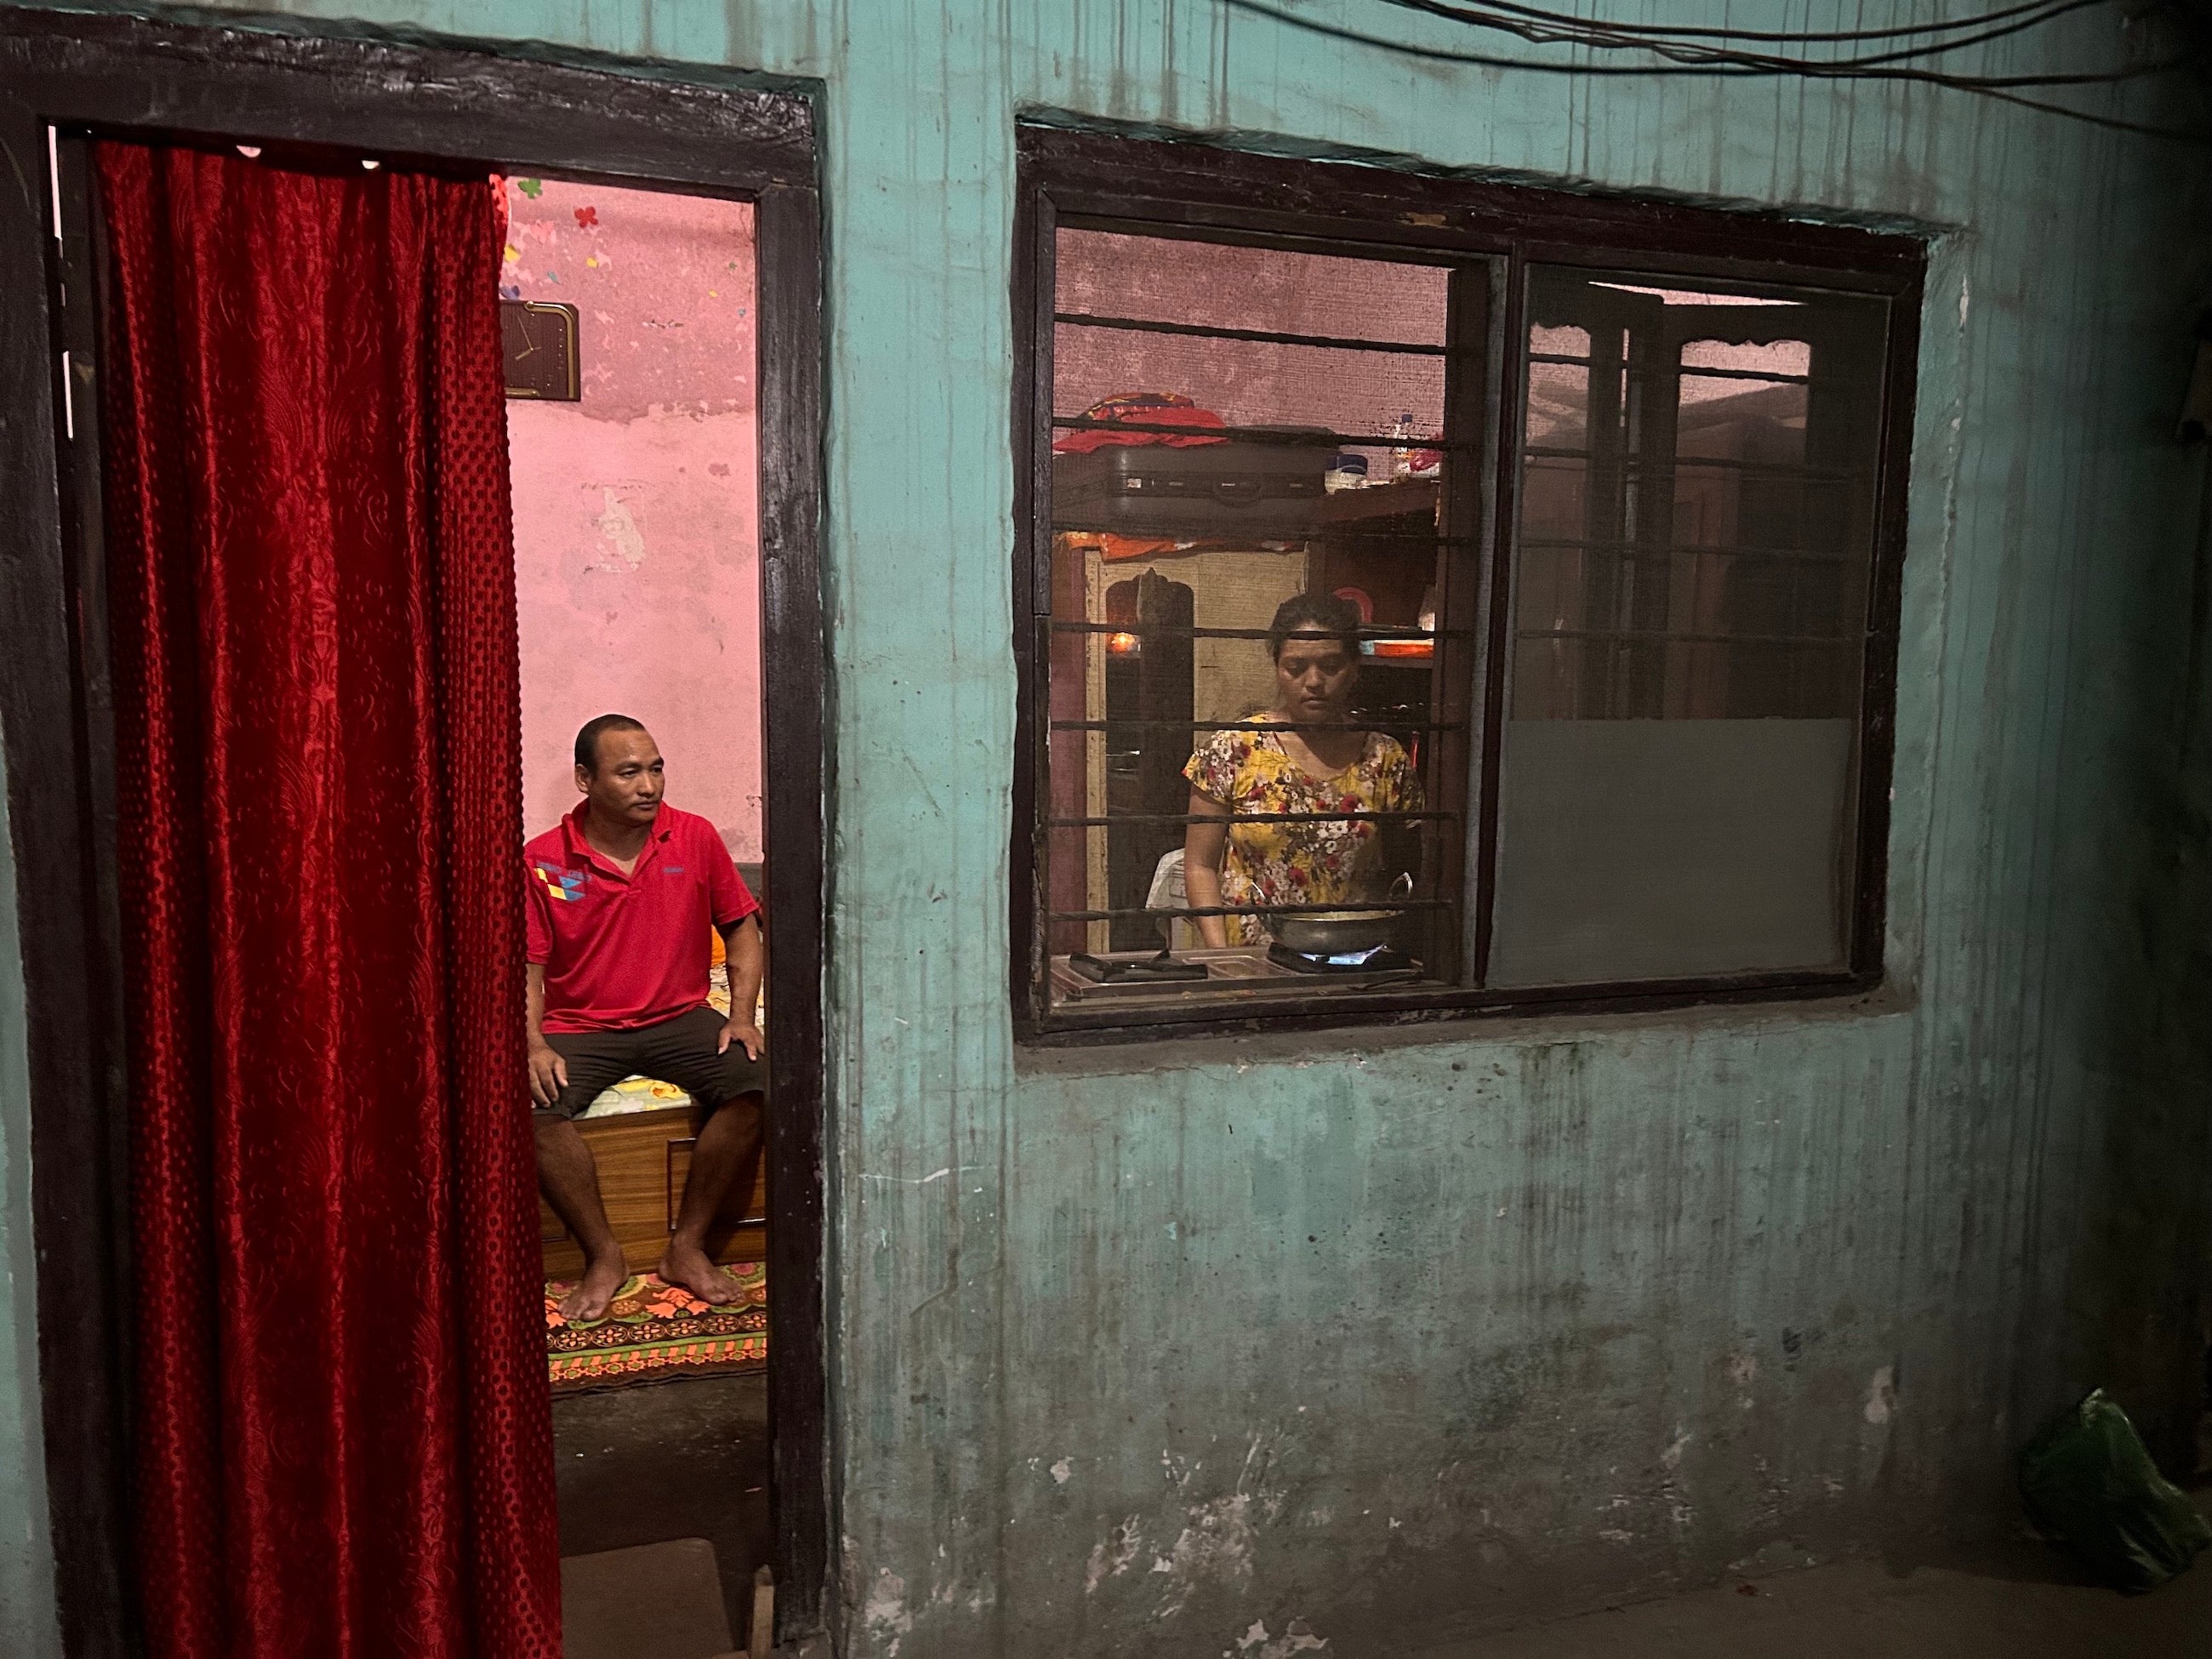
(1440, 815)
(1670, 549)
(1346, 535)
(1666, 368)
(1177, 630)
(1173, 725)
(1338, 532)
(1251, 909)
(1831, 640)
(1256, 335)
(1686, 371)
(1635, 464)
(1289, 437)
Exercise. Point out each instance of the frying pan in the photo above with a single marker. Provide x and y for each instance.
(1340, 933)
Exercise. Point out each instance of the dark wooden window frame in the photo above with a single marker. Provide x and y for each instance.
(442, 108)
(1171, 187)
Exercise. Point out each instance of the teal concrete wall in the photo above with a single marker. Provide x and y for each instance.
(1341, 1343)
(27, 1593)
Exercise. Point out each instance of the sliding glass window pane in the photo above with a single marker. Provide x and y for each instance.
(1679, 787)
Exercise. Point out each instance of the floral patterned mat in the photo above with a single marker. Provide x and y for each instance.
(655, 1330)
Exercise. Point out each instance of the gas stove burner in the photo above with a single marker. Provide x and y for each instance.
(1109, 971)
(1382, 960)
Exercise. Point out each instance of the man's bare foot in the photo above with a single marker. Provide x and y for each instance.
(595, 1291)
(687, 1265)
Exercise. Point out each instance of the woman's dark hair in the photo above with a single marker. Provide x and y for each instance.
(1314, 613)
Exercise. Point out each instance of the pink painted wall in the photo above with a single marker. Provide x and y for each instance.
(636, 548)
(1104, 273)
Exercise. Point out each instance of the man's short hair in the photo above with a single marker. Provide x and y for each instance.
(587, 737)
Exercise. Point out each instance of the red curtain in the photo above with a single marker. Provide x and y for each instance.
(344, 1442)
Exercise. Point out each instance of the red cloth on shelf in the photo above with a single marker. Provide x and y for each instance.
(1145, 408)
(343, 1434)
(1111, 546)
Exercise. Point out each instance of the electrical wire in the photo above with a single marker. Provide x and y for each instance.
(1559, 29)
(1744, 64)
(1782, 37)
(1724, 60)
(1990, 88)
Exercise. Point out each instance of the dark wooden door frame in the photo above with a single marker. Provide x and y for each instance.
(444, 107)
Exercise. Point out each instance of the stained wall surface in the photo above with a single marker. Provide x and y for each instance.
(27, 1625)
(636, 548)
(1343, 1342)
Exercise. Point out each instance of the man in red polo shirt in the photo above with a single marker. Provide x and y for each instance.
(621, 893)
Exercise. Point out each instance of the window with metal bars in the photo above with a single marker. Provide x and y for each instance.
(1439, 597)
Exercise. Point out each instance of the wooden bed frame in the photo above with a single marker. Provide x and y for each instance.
(643, 1157)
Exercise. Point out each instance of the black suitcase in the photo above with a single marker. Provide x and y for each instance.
(1194, 492)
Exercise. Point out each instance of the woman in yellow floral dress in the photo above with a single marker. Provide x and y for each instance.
(1305, 761)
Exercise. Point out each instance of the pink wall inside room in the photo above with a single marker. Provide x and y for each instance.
(637, 568)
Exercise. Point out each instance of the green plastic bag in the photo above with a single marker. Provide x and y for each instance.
(2090, 1483)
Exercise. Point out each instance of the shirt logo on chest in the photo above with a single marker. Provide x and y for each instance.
(566, 886)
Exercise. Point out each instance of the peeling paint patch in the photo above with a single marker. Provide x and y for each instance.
(1215, 1547)
(1113, 1556)
(1881, 1395)
(1672, 1457)
(1061, 1472)
(619, 527)
(885, 1613)
(1295, 1638)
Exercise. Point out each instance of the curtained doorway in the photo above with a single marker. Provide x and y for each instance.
(633, 437)
(323, 108)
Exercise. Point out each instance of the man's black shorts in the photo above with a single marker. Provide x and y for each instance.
(680, 1051)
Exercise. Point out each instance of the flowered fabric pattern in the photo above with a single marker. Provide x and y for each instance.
(1330, 862)
(654, 1330)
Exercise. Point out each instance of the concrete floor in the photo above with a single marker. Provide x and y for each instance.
(663, 1460)
(684, 1617)
(2021, 1603)
(690, 1460)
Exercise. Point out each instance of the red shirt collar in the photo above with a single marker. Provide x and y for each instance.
(574, 843)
